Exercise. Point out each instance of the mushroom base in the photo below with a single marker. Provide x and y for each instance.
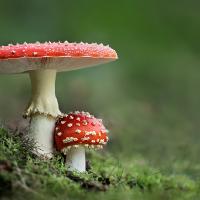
(75, 159)
(41, 131)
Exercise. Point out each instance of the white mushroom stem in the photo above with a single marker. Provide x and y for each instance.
(75, 159)
(43, 110)
(43, 99)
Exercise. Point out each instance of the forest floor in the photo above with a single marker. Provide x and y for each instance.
(25, 176)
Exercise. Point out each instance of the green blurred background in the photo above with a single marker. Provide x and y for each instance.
(149, 98)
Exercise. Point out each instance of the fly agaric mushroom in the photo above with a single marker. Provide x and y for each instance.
(74, 132)
(41, 61)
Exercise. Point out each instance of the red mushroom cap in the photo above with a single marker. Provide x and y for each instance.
(79, 128)
(53, 55)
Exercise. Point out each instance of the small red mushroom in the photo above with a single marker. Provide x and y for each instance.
(74, 132)
(42, 61)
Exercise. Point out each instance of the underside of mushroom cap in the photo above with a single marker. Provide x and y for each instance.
(53, 55)
(79, 128)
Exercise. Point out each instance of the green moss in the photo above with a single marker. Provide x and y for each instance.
(23, 175)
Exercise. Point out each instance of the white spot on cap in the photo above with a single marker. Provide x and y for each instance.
(13, 52)
(104, 131)
(78, 124)
(77, 131)
(85, 122)
(35, 53)
(78, 118)
(70, 125)
(59, 133)
(69, 139)
(93, 141)
(102, 142)
(71, 117)
(63, 122)
(85, 138)
(90, 133)
(88, 114)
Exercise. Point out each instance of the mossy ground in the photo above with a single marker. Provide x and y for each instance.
(25, 176)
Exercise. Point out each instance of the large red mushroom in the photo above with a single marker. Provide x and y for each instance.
(41, 61)
(76, 131)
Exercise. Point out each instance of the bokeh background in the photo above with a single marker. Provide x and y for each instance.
(149, 98)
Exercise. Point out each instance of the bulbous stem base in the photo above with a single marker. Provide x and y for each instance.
(42, 132)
